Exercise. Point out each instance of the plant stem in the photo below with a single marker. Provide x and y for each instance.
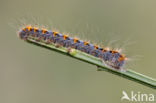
(129, 74)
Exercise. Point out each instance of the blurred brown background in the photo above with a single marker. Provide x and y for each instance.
(30, 74)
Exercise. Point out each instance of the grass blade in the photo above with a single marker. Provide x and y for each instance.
(129, 74)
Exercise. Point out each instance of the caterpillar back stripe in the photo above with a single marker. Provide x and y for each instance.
(112, 58)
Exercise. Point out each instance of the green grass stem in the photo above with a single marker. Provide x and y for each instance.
(129, 74)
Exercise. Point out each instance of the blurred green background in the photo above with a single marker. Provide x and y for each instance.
(30, 74)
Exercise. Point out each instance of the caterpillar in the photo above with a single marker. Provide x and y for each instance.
(111, 57)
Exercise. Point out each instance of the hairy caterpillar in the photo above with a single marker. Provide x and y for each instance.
(111, 57)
